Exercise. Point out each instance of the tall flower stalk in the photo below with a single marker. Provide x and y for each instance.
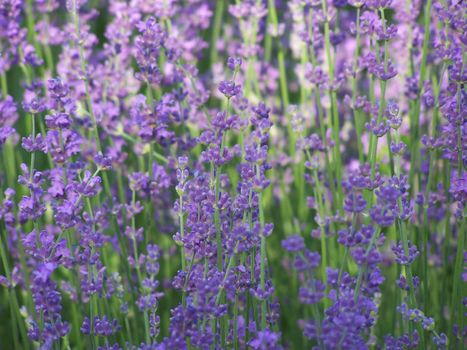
(232, 175)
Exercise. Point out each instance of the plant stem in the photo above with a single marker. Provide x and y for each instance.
(337, 163)
(85, 79)
(216, 28)
(415, 117)
(356, 111)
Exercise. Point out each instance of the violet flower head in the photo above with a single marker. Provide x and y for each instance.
(162, 160)
(148, 47)
(8, 117)
(229, 89)
(234, 63)
(403, 257)
(265, 340)
(293, 243)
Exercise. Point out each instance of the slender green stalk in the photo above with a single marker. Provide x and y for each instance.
(346, 251)
(374, 144)
(415, 116)
(235, 322)
(85, 79)
(280, 56)
(4, 84)
(181, 219)
(402, 231)
(319, 198)
(31, 27)
(250, 41)
(356, 111)
(155, 154)
(262, 262)
(337, 163)
(33, 154)
(459, 288)
(217, 184)
(135, 243)
(361, 270)
(457, 316)
(216, 29)
(322, 125)
(383, 87)
(14, 306)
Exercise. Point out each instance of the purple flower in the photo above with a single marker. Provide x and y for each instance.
(313, 293)
(458, 187)
(234, 63)
(34, 105)
(8, 116)
(130, 134)
(403, 284)
(309, 260)
(402, 257)
(148, 47)
(229, 89)
(265, 340)
(441, 341)
(354, 203)
(105, 327)
(293, 243)
(398, 148)
(405, 341)
(378, 129)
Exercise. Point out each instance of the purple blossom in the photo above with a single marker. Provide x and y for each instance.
(265, 340)
(169, 155)
(229, 89)
(8, 116)
(294, 243)
(403, 257)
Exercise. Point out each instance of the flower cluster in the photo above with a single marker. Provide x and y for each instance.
(233, 175)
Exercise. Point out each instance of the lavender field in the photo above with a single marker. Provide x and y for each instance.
(245, 174)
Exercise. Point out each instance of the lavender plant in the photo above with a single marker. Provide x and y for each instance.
(233, 175)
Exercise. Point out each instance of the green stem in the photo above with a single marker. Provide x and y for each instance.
(182, 230)
(216, 28)
(405, 242)
(322, 124)
(337, 163)
(415, 117)
(33, 154)
(356, 112)
(155, 154)
(85, 79)
(14, 306)
(459, 288)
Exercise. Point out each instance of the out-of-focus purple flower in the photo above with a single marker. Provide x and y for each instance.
(403, 283)
(265, 340)
(378, 129)
(148, 47)
(405, 341)
(234, 63)
(8, 117)
(229, 89)
(293, 243)
(458, 187)
(313, 293)
(441, 341)
(354, 203)
(398, 148)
